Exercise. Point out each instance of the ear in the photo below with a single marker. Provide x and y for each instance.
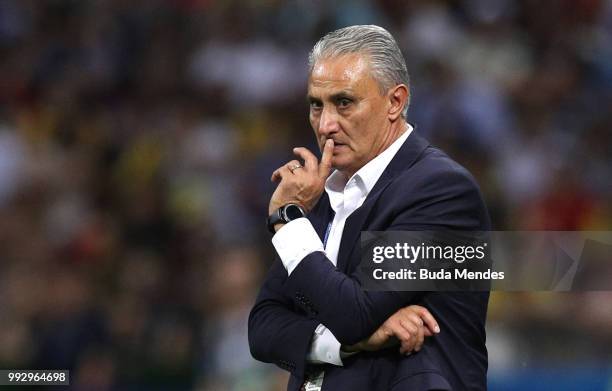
(398, 99)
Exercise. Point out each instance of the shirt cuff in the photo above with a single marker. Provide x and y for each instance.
(294, 241)
(324, 348)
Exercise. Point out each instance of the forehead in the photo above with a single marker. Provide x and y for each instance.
(351, 71)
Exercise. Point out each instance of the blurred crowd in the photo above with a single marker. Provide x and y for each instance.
(137, 139)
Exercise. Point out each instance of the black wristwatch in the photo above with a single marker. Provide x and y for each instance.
(285, 214)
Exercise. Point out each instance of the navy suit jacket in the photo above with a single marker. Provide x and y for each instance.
(421, 189)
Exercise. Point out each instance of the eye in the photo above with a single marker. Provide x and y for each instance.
(315, 105)
(344, 102)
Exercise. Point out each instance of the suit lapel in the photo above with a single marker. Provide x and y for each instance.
(358, 220)
(321, 216)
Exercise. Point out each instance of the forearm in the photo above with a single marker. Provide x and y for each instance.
(325, 292)
(272, 332)
(277, 334)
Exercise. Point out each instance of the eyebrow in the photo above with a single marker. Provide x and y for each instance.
(333, 97)
(342, 94)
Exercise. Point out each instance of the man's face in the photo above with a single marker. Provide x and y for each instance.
(346, 105)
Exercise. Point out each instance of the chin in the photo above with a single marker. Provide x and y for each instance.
(338, 163)
(341, 164)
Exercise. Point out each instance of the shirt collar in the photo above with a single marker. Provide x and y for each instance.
(367, 176)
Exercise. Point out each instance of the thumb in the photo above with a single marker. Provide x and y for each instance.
(326, 159)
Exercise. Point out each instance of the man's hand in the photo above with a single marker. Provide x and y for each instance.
(302, 185)
(409, 326)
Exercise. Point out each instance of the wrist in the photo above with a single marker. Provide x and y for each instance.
(283, 215)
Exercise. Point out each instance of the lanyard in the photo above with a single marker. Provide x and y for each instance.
(327, 231)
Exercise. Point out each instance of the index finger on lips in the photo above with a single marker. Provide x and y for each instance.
(326, 158)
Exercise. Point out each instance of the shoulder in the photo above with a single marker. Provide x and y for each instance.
(437, 191)
(434, 169)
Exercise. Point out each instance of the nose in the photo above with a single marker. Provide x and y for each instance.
(328, 122)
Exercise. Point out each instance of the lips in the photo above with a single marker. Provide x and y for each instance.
(338, 146)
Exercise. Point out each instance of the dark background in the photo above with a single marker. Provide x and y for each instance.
(137, 139)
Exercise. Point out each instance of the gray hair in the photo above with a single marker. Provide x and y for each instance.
(386, 59)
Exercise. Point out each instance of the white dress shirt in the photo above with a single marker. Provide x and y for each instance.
(298, 238)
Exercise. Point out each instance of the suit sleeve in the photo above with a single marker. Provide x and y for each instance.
(277, 333)
(448, 200)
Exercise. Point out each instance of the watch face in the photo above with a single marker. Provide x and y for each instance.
(293, 212)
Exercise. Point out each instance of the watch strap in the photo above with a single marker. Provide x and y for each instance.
(275, 218)
(280, 216)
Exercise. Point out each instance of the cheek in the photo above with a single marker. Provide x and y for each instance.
(358, 132)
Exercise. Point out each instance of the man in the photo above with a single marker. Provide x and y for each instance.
(312, 317)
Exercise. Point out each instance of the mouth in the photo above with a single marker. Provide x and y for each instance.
(338, 146)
